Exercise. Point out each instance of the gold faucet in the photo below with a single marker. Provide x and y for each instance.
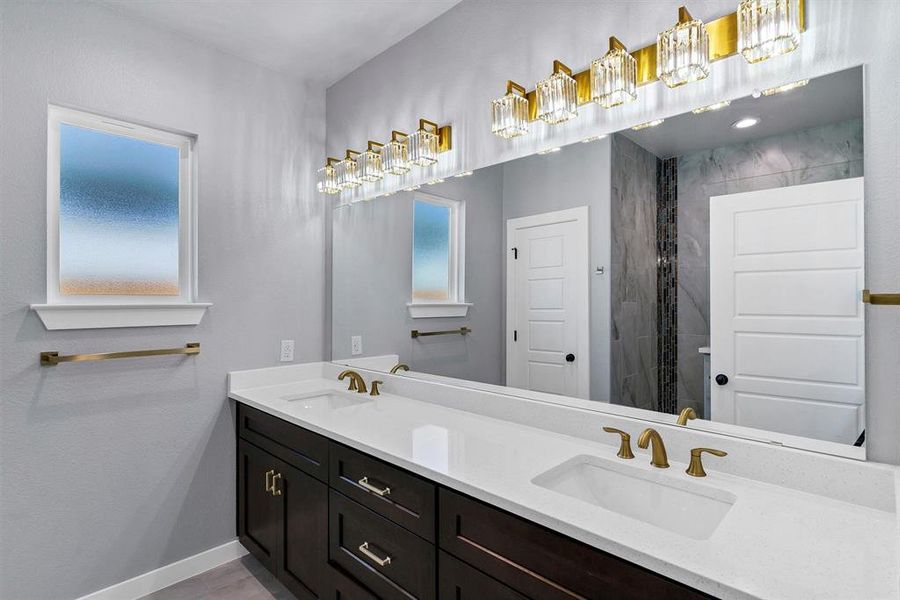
(695, 469)
(658, 452)
(687, 414)
(624, 442)
(375, 391)
(357, 383)
(399, 367)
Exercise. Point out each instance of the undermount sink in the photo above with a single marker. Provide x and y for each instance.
(329, 400)
(685, 507)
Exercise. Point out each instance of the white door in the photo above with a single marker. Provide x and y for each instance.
(786, 311)
(547, 299)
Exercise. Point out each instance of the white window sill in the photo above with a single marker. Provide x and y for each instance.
(99, 316)
(433, 310)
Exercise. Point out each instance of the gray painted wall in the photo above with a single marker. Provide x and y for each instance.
(450, 70)
(578, 175)
(372, 282)
(633, 271)
(110, 470)
(810, 156)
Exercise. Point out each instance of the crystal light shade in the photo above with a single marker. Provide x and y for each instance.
(326, 179)
(556, 96)
(346, 172)
(395, 155)
(767, 28)
(682, 51)
(368, 164)
(613, 76)
(423, 148)
(509, 113)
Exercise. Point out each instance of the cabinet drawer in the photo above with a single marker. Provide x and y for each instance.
(541, 563)
(344, 588)
(459, 581)
(294, 445)
(386, 558)
(400, 496)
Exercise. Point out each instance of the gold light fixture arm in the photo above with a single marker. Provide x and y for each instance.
(396, 135)
(373, 146)
(560, 67)
(330, 162)
(512, 86)
(444, 133)
(684, 16)
(351, 154)
(49, 359)
(615, 44)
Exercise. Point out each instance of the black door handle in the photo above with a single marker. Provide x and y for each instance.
(570, 357)
(721, 379)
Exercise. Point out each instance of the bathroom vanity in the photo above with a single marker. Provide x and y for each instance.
(422, 492)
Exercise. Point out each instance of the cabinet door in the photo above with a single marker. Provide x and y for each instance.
(303, 549)
(258, 511)
(459, 581)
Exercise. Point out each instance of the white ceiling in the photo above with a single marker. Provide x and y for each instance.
(319, 40)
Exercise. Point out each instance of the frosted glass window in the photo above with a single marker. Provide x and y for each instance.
(118, 214)
(431, 252)
(120, 200)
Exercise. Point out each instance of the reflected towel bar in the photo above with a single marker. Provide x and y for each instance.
(48, 359)
(888, 299)
(415, 333)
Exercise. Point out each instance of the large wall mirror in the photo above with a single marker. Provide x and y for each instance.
(713, 261)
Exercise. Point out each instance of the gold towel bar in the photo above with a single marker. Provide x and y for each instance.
(889, 299)
(48, 359)
(415, 333)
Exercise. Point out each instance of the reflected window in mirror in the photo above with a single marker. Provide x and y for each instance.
(437, 247)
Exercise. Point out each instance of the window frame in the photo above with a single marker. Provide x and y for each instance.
(455, 305)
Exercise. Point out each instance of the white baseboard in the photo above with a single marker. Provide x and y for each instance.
(170, 574)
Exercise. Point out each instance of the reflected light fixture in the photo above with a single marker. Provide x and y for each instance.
(509, 113)
(682, 51)
(556, 96)
(464, 174)
(613, 76)
(326, 177)
(767, 28)
(412, 188)
(346, 173)
(785, 88)
(594, 138)
(648, 124)
(423, 144)
(549, 150)
(368, 164)
(395, 154)
(435, 181)
(745, 122)
(712, 107)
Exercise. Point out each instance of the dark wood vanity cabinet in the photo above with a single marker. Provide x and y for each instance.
(337, 524)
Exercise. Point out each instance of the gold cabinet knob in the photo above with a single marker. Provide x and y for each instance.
(624, 442)
(687, 414)
(695, 469)
(375, 391)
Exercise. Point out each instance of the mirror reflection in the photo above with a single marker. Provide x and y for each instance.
(712, 262)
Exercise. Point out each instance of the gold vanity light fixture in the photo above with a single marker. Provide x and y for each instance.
(346, 171)
(549, 150)
(326, 177)
(613, 76)
(412, 188)
(395, 154)
(768, 28)
(434, 181)
(465, 174)
(368, 164)
(594, 138)
(509, 113)
(556, 96)
(427, 141)
(682, 51)
(787, 87)
(648, 124)
(712, 107)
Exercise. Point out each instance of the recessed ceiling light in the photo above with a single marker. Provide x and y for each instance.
(712, 107)
(652, 123)
(785, 88)
(463, 174)
(549, 150)
(593, 138)
(745, 122)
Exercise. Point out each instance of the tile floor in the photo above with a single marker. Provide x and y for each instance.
(242, 579)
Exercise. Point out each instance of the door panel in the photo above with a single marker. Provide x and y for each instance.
(258, 510)
(787, 318)
(304, 548)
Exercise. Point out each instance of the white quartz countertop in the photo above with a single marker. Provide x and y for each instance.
(773, 543)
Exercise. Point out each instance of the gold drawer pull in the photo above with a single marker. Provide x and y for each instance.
(364, 482)
(381, 562)
(275, 490)
(269, 474)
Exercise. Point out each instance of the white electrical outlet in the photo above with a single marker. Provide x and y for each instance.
(287, 350)
(355, 345)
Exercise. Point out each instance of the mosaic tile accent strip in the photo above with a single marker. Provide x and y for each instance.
(667, 284)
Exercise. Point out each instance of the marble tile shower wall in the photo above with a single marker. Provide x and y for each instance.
(633, 355)
(820, 154)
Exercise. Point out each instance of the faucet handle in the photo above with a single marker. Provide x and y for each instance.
(375, 391)
(624, 442)
(695, 469)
